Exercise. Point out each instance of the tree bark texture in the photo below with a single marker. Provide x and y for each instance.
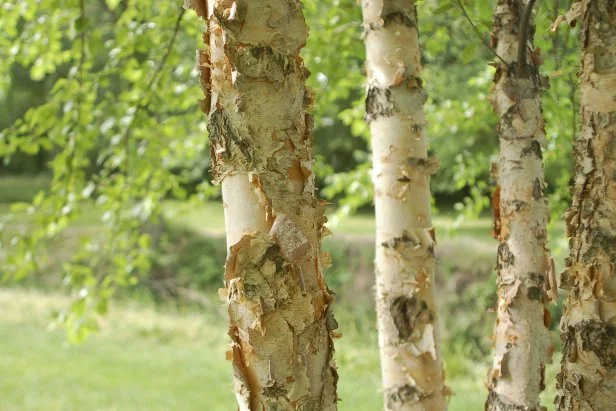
(587, 380)
(520, 221)
(412, 370)
(257, 103)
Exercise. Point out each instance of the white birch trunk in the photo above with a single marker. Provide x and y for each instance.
(521, 215)
(279, 306)
(412, 370)
(587, 380)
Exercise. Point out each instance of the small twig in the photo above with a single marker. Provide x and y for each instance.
(150, 85)
(479, 33)
(163, 61)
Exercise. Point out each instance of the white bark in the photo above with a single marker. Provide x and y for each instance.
(279, 306)
(521, 215)
(413, 377)
(588, 374)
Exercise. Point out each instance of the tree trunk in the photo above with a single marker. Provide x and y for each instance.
(520, 220)
(411, 363)
(587, 380)
(279, 307)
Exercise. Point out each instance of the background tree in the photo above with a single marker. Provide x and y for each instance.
(520, 215)
(407, 315)
(588, 371)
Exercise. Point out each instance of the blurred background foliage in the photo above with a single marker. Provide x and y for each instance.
(104, 181)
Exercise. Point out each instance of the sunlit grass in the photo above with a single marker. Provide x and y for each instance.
(151, 358)
(160, 359)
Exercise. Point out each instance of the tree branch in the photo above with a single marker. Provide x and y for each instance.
(478, 32)
(524, 33)
(150, 85)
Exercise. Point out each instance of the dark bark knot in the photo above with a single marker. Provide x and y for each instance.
(517, 205)
(397, 243)
(403, 18)
(225, 141)
(399, 396)
(330, 322)
(600, 338)
(425, 165)
(602, 241)
(535, 287)
(274, 255)
(407, 313)
(261, 62)
(496, 402)
(394, 14)
(378, 104)
(537, 189)
(569, 347)
(504, 257)
(274, 390)
(533, 148)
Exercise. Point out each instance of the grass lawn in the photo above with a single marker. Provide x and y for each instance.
(152, 358)
(160, 359)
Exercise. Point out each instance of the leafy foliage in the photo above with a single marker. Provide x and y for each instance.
(120, 73)
(104, 95)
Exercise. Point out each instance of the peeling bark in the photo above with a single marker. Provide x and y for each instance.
(281, 324)
(520, 220)
(413, 377)
(587, 380)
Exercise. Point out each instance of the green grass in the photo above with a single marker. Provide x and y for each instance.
(208, 218)
(155, 359)
(162, 359)
(141, 360)
(21, 188)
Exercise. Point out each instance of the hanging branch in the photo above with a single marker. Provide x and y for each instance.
(80, 95)
(150, 85)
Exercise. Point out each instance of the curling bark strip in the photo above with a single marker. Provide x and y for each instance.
(520, 221)
(412, 370)
(257, 103)
(587, 380)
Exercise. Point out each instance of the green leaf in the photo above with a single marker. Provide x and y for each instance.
(444, 8)
(112, 4)
(81, 23)
(102, 306)
(469, 52)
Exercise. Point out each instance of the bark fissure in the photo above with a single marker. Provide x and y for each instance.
(413, 377)
(521, 343)
(281, 322)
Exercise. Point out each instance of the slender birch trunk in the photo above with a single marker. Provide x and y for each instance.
(279, 307)
(520, 219)
(587, 380)
(413, 377)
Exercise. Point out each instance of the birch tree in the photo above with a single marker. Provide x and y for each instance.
(281, 323)
(411, 362)
(587, 380)
(521, 215)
